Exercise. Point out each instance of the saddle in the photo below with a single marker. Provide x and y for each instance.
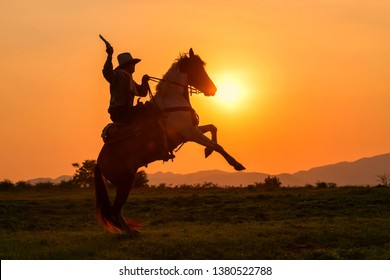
(147, 131)
(146, 124)
(114, 132)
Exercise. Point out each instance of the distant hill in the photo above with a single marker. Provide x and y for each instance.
(214, 176)
(218, 177)
(362, 172)
(50, 180)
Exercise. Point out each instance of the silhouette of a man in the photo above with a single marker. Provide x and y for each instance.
(123, 89)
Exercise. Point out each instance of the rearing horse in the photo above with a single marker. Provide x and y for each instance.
(119, 162)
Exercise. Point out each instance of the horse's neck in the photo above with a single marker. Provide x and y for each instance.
(173, 94)
(172, 100)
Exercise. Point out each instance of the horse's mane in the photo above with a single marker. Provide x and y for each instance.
(175, 75)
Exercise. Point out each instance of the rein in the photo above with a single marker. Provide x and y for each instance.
(191, 89)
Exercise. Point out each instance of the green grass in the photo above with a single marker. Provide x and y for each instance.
(342, 223)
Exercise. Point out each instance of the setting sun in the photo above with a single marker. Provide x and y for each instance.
(231, 91)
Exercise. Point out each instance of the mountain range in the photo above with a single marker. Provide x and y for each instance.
(362, 172)
(50, 180)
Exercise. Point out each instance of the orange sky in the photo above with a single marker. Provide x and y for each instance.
(313, 79)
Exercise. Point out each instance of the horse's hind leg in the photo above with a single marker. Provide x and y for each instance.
(203, 140)
(213, 130)
(122, 193)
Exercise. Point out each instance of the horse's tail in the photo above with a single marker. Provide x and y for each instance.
(104, 213)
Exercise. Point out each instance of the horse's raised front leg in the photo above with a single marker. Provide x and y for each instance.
(203, 140)
(213, 130)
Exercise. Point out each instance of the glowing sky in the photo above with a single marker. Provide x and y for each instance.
(311, 79)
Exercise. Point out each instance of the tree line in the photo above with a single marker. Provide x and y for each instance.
(83, 178)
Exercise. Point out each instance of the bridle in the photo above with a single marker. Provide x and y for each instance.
(191, 89)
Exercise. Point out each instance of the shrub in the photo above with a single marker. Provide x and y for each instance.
(6, 185)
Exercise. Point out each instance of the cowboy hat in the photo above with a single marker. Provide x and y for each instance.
(126, 58)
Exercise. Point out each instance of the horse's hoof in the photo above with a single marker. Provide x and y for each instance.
(133, 234)
(239, 167)
(207, 152)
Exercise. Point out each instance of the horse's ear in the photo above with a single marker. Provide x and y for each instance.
(191, 53)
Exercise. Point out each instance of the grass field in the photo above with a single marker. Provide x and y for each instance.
(340, 223)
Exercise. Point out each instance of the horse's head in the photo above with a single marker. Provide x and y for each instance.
(194, 67)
